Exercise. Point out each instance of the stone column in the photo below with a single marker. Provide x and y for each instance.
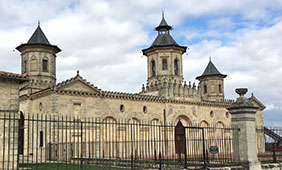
(243, 117)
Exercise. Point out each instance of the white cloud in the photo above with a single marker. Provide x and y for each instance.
(103, 39)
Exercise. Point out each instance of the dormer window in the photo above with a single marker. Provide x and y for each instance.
(164, 64)
(45, 65)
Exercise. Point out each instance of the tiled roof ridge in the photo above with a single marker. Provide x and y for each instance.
(15, 76)
(12, 74)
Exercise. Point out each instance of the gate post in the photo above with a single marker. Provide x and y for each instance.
(243, 117)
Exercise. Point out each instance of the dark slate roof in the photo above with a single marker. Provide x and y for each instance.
(38, 37)
(211, 70)
(163, 22)
(164, 40)
(163, 25)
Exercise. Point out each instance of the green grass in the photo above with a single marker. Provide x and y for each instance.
(270, 162)
(63, 166)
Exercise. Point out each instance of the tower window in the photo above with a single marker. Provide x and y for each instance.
(45, 65)
(219, 88)
(176, 67)
(205, 89)
(33, 64)
(153, 65)
(25, 66)
(164, 63)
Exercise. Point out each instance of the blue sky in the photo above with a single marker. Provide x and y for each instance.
(103, 39)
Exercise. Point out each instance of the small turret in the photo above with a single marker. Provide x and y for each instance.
(38, 59)
(211, 84)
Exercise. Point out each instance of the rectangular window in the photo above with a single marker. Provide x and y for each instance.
(219, 88)
(164, 63)
(205, 89)
(41, 139)
(45, 65)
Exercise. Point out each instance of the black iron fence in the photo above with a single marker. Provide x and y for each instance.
(271, 149)
(32, 141)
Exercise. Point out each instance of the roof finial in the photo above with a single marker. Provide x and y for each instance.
(162, 14)
(77, 72)
(38, 22)
(210, 58)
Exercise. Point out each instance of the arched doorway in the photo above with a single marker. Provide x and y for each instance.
(184, 120)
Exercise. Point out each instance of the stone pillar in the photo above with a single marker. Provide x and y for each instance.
(243, 117)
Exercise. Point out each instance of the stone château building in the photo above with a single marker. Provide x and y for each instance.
(166, 97)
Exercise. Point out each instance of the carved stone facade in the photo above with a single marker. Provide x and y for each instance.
(166, 96)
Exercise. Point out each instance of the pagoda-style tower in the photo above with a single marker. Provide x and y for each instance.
(211, 84)
(38, 61)
(164, 58)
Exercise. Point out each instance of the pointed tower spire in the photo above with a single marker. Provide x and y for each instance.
(38, 38)
(211, 70)
(164, 38)
(163, 26)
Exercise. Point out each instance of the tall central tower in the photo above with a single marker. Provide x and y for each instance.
(164, 57)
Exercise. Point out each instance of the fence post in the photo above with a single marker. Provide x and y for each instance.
(273, 150)
(185, 152)
(243, 116)
(160, 157)
(204, 148)
(81, 147)
(132, 167)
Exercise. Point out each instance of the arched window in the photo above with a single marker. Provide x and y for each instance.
(153, 66)
(45, 65)
(176, 72)
(204, 124)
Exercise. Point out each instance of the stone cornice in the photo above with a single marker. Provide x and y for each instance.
(243, 119)
(123, 96)
(258, 102)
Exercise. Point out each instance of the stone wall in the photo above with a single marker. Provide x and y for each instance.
(143, 110)
(9, 94)
(9, 100)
